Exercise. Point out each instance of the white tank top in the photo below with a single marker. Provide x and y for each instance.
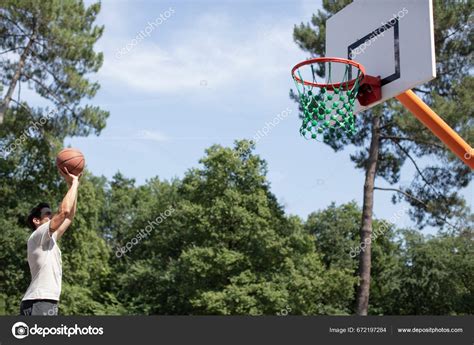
(44, 259)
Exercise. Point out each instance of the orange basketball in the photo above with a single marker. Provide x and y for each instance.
(72, 159)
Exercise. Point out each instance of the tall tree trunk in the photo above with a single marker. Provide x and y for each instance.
(365, 257)
(8, 97)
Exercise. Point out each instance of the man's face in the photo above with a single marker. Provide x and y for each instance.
(46, 215)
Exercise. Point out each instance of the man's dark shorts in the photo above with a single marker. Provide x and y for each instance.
(42, 307)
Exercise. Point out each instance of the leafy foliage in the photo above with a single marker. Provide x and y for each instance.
(223, 244)
(228, 248)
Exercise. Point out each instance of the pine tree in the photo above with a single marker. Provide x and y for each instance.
(49, 45)
(388, 136)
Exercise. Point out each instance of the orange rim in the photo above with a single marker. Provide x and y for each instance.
(331, 86)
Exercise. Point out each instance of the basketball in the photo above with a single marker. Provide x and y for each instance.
(72, 159)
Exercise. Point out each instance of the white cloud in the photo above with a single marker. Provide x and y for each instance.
(215, 49)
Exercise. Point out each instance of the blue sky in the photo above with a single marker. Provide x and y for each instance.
(213, 72)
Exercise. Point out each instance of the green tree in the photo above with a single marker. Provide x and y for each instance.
(120, 208)
(228, 248)
(48, 47)
(87, 274)
(337, 240)
(438, 275)
(14, 272)
(51, 47)
(388, 136)
(336, 234)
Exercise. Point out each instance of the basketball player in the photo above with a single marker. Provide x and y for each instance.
(44, 255)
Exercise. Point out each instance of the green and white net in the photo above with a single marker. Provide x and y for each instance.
(328, 111)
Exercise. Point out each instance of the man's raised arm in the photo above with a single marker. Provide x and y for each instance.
(61, 221)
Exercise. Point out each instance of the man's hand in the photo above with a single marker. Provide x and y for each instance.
(70, 178)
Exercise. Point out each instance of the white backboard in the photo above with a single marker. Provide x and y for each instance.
(393, 39)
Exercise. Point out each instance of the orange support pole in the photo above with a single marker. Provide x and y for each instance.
(439, 128)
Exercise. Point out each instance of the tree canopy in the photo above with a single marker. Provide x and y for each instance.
(224, 245)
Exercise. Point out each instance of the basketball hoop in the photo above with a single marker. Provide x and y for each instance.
(328, 107)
